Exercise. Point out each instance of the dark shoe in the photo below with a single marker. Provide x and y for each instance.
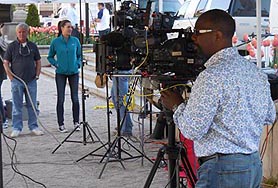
(62, 129)
(5, 124)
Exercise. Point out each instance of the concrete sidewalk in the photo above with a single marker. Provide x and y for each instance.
(59, 170)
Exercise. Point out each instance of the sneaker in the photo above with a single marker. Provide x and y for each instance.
(77, 126)
(15, 133)
(37, 132)
(62, 129)
(5, 124)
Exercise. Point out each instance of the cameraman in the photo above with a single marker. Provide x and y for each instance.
(228, 107)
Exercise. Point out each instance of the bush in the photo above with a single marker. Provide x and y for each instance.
(33, 18)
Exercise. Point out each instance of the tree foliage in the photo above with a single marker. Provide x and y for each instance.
(33, 18)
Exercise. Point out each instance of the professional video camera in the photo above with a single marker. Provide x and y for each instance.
(141, 43)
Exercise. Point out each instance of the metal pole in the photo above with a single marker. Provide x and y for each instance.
(115, 15)
(87, 21)
(82, 77)
(172, 164)
(1, 163)
(108, 111)
(259, 33)
(119, 120)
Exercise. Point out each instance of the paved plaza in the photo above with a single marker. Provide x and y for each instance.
(59, 170)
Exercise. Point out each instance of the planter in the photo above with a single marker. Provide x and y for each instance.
(44, 52)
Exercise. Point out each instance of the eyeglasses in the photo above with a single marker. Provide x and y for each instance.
(23, 51)
(202, 31)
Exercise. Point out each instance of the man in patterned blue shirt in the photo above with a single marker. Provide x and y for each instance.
(229, 104)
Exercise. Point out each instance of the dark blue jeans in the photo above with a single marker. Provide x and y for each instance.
(2, 111)
(231, 171)
(103, 32)
(61, 81)
(18, 90)
(123, 90)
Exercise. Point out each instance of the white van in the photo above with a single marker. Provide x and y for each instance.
(243, 11)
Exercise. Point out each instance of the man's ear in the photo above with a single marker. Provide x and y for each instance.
(219, 35)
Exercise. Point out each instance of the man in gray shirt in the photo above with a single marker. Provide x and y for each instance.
(22, 62)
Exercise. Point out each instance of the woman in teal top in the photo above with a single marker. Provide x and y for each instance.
(65, 55)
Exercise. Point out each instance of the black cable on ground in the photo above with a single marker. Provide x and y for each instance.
(13, 164)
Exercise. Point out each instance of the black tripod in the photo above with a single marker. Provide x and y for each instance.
(84, 123)
(174, 151)
(86, 127)
(117, 141)
(108, 112)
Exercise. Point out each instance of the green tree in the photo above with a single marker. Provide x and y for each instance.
(33, 18)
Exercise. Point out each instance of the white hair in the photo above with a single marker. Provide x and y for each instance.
(22, 26)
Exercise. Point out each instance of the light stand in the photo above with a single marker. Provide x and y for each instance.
(86, 127)
(84, 123)
(1, 160)
(108, 112)
(117, 141)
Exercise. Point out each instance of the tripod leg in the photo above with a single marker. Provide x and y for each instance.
(90, 129)
(188, 168)
(159, 157)
(143, 155)
(109, 156)
(85, 127)
(91, 153)
(64, 141)
(172, 150)
(109, 149)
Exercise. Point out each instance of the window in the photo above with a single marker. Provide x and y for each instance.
(183, 9)
(244, 8)
(201, 8)
(167, 5)
(220, 4)
(171, 6)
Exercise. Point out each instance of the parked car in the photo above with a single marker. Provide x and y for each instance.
(243, 11)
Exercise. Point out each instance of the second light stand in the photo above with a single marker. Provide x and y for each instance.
(85, 125)
(108, 112)
(117, 141)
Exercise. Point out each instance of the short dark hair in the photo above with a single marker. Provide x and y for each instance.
(101, 4)
(221, 20)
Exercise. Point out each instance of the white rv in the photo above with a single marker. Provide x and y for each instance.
(243, 11)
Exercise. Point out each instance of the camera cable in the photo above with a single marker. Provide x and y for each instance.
(47, 131)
